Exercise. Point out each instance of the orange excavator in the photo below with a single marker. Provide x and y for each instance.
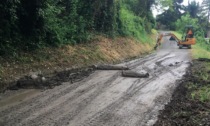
(186, 42)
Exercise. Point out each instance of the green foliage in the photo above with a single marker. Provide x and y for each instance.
(21, 25)
(165, 3)
(28, 25)
(169, 16)
(8, 21)
(72, 20)
(187, 20)
(131, 25)
(135, 18)
(203, 95)
(205, 8)
(193, 9)
(200, 89)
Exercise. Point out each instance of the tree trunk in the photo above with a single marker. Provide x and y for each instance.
(110, 67)
(130, 73)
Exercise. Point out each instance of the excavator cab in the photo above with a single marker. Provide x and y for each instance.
(188, 38)
(189, 32)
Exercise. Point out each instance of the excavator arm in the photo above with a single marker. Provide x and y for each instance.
(187, 42)
(160, 37)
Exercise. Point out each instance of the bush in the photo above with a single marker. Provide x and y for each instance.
(28, 25)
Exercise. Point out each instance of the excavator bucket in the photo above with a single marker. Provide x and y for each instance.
(155, 46)
(172, 38)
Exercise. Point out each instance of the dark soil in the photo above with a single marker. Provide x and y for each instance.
(183, 110)
(50, 81)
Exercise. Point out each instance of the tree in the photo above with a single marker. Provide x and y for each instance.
(187, 20)
(193, 9)
(164, 3)
(205, 10)
(170, 16)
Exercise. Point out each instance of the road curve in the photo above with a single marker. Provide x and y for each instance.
(105, 98)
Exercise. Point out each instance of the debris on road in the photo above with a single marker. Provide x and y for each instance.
(111, 67)
(39, 81)
(129, 73)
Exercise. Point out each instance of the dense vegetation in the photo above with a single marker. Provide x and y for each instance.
(194, 10)
(28, 25)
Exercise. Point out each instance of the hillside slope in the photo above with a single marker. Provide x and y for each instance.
(48, 60)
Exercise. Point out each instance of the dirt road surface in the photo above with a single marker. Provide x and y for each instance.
(105, 98)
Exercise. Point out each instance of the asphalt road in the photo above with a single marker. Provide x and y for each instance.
(105, 98)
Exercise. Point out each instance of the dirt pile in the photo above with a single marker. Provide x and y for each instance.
(190, 104)
(40, 81)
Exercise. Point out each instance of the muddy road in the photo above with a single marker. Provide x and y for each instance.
(105, 98)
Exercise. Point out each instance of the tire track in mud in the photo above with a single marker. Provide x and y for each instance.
(46, 93)
(30, 112)
(139, 62)
(35, 103)
(66, 118)
(151, 59)
(57, 111)
(112, 108)
(120, 102)
(99, 117)
(49, 113)
(159, 102)
(166, 68)
(43, 95)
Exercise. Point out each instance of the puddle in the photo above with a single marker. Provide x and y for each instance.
(19, 97)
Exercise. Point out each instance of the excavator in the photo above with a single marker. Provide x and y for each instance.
(187, 41)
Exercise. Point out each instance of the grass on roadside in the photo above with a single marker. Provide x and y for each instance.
(200, 89)
(200, 52)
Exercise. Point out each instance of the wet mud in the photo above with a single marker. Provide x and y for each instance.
(105, 97)
(39, 81)
(183, 110)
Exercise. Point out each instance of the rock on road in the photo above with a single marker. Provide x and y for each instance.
(105, 98)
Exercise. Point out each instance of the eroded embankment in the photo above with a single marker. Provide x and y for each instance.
(190, 104)
(50, 62)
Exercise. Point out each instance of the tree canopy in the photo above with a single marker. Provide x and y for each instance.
(28, 25)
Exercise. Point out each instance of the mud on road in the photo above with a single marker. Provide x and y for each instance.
(104, 98)
(39, 81)
(186, 109)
